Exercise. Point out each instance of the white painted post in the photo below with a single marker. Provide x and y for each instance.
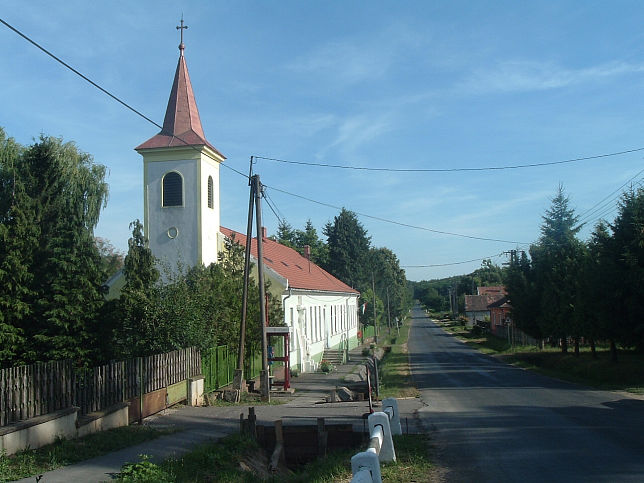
(394, 418)
(365, 468)
(387, 452)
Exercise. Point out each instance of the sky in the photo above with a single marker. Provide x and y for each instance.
(384, 85)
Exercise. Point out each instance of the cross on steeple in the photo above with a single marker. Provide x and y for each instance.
(181, 29)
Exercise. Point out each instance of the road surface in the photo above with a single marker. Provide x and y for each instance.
(493, 422)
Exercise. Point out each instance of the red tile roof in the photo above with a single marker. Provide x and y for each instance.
(478, 303)
(181, 125)
(492, 290)
(300, 272)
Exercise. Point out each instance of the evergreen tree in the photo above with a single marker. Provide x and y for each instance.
(557, 261)
(285, 234)
(626, 248)
(18, 239)
(348, 245)
(309, 236)
(50, 262)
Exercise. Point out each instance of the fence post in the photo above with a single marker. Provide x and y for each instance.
(387, 452)
(141, 388)
(366, 468)
(394, 420)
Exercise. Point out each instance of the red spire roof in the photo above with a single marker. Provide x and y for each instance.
(181, 125)
(298, 270)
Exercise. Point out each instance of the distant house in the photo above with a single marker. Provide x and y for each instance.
(476, 306)
(320, 310)
(500, 316)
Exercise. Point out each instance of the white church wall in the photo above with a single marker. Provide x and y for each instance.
(209, 217)
(171, 230)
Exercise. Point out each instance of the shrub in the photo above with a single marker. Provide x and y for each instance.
(326, 366)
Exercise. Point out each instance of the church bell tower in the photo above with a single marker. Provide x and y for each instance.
(181, 181)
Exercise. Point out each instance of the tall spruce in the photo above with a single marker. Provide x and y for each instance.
(348, 245)
(557, 262)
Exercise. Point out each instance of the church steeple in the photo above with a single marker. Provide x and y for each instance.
(181, 125)
(181, 182)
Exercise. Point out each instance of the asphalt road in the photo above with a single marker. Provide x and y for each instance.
(493, 422)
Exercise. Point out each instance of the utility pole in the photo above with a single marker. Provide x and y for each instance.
(375, 323)
(238, 379)
(263, 375)
(388, 312)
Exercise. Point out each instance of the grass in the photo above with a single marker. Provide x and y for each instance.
(245, 400)
(395, 374)
(69, 451)
(625, 375)
(221, 462)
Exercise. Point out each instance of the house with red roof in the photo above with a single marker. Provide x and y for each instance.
(320, 311)
(477, 306)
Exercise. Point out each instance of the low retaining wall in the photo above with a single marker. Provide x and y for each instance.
(38, 431)
(43, 430)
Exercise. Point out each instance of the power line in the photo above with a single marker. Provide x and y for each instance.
(448, 170)
(140, 114)
(600, 205)
(393, 222)
(452, 263)
(105, 91)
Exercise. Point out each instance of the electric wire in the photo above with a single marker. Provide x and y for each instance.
(452, 263)
(448, 170)
(143, 116)
(105, 91)
(393, 222)
(588, 213)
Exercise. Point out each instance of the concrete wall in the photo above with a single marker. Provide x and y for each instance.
(44, 430)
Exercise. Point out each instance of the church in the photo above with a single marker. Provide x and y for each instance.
(182, 226)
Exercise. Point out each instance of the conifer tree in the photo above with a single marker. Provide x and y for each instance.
(348, 250)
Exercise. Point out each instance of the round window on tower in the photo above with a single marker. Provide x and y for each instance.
(173, 232)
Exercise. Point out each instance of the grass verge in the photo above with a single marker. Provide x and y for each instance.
(624, 375)
(246, 399)
(395, 374)
(69, 451)
(231, 460)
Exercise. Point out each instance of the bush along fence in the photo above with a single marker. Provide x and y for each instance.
(365, 466)
(39, 389)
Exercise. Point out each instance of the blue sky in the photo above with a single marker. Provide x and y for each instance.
(418, 85)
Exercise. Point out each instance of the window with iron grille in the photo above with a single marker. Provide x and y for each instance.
(210, 194)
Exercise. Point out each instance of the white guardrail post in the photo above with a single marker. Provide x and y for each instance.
(365, 466)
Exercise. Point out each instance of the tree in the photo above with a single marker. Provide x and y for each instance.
(285, 234)
(199, 306)
(309, 237)
(111, 258)
(18, 236)
(557, 261)
(625, 250)
(390, 281)
(524, 295)
(56, 194)
(348, 249)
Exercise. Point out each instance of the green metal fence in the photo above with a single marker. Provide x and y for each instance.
(219, 364)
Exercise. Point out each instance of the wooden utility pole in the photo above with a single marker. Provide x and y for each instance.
(263, 375)
(375, 323)
(238, 379)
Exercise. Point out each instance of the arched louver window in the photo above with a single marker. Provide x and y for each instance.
(172, 189)
(210, 193)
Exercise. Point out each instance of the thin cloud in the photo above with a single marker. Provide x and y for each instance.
(522, 76)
